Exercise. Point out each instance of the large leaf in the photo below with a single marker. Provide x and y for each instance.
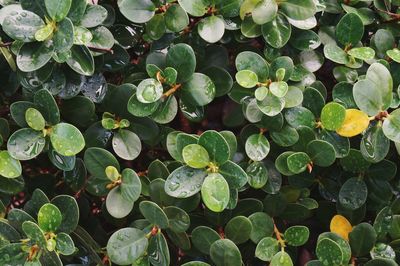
(22, 25)
(66, 139)
(33, 56)
(126, 245)
(58, 10)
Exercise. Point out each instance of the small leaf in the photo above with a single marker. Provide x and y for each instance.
(267, 248)
(154, 214)
(246, 78)
(9, 167)
(355, 122)
(225, 252)
(363, 53)
(64, 244)
(215, 192)
(211, 29)
(49, 217)
(58, 10)
(178, 184)
(195, 156)
(34, 119)
(257, 147)
(350, 29)
(149, 91)
(333, 116)
(341, 226)
(126, 245)
(66, 139)
(297, 235)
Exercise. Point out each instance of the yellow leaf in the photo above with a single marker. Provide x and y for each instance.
(341, 226)
(355, 122)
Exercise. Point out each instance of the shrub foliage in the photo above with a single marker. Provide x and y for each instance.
(199, 132)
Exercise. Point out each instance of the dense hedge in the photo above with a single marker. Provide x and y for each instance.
(199, 132)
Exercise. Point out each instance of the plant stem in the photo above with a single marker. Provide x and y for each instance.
(172, 90)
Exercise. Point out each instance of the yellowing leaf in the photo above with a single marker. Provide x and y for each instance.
(354, 123)
(341, 226)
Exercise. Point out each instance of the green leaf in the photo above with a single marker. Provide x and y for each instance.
(70, 213)
(126, 144)
(264, 11)
(394, 54)
(155, 28)
(47, 106)
(335, 54)
(34, 119)
(181, 57)
(196, 8)
(25, 144)
(58, 10)
(281, 259)
(374, 144)
(267, 248)
(298, 162)
(117, 206)
(166, 111)
(22, 25)
(215, 192)
(158, 251)
(178, 184)
(33, 56)
(353, 193)
(362, 239)
(225, 252)
(246, 78)
(248, 60)
(77, 10)
(381, 77)
(257, 147)
(81, 60)
(64, 244)
(49, 217)
(329, 252)
(179, 220)
(238, 229)
(298, 9)
(203, 237)
(368, 97)
(300, 116)
(234, 174)
(257, 175)
(297, 235)
(64, 36)
(198, 90)
(154, 214)
(82, 36)
(126, 245)
(9, 167)
(277, 32)
(332, 116)
(195, 156)
(262, 226)
(34, 233)
(350, 29)
(211, 29)
(97, 160)
(391, 126)
(271, 105)
(94, 15)
(66, 139)
(363, 53)
(102, 38)
(216, 146)
(322, 153)
(131, 186)
(176, 19)
(279, 88)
